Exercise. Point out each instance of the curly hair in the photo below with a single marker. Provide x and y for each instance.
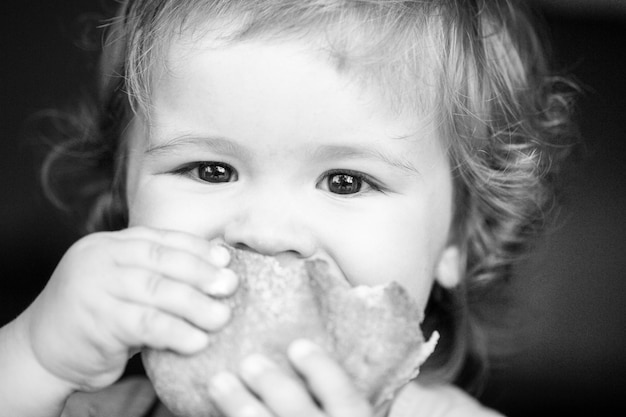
(505, 117)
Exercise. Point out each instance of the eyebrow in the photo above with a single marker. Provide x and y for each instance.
(225, 146)
(330, 152)
(216, 144)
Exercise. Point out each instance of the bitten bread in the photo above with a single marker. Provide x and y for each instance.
(373, 332)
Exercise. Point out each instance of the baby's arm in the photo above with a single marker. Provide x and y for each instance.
(111, 294)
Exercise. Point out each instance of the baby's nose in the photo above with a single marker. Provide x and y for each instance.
(271, 230)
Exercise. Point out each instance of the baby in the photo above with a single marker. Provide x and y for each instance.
(406, 141)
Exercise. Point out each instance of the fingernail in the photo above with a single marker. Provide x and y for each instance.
(301, 348)
(223, 383)
(224, 283)
(220, 256)
(254, 365)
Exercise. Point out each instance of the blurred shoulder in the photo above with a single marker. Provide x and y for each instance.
(417, 400)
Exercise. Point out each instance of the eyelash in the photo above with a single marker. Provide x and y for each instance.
(187, 170)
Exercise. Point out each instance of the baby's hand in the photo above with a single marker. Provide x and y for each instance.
(265, 390)
(115, 292)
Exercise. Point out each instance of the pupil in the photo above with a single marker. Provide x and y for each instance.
(214, 173)
(344, 184)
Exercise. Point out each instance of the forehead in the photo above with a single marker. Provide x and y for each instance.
(212, 70)
(379, 50)
(291, 80)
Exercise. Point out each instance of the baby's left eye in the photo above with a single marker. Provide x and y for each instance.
(216, 172)
(344, 184)
(347, 183)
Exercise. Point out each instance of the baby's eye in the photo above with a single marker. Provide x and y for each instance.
(216, 172)
(344, 184)
(348, 182)
(210, 171)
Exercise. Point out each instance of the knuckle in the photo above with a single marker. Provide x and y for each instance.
(156, 253)
(140, 231)
(88, 243)
(88, 251)
(154, 285)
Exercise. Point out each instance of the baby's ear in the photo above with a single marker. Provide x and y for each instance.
(448, 269)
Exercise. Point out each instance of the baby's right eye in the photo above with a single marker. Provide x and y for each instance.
(211, 172)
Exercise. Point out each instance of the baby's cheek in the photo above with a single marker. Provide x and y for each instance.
(154, 206)
(410, 257)
(378, 260)
(176, 211)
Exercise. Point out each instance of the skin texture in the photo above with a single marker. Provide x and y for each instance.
(281, 123)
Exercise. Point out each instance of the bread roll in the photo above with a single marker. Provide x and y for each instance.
(373, 332)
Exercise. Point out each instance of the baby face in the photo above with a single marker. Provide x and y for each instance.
(266, 146)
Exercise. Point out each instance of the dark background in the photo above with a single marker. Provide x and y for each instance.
(568, 354)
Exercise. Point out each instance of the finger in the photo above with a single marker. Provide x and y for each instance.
(328, 381)
(151, 289)
(212, 252)
(233, 399)
(141, 326)
(176, 264)
(285, 395)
